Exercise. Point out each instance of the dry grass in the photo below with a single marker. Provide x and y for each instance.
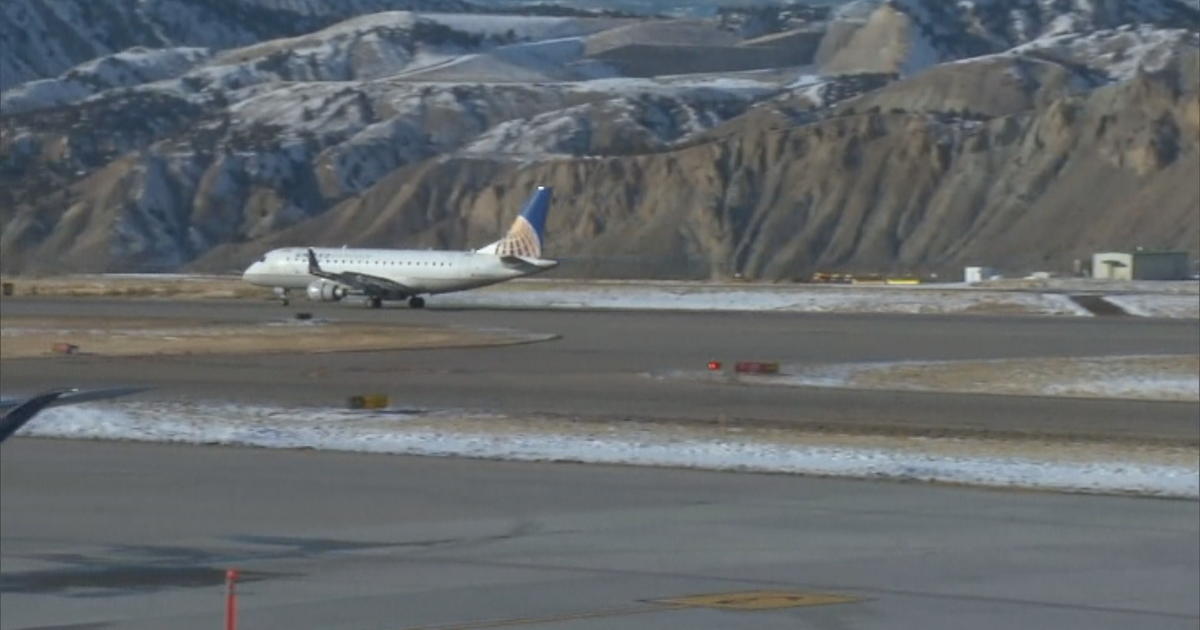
(23, 337)
(1048, 450)
(138, 286)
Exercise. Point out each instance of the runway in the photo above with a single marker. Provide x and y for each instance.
(104, 535)
(598, 367)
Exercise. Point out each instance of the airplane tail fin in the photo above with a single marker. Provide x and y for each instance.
(524, 237)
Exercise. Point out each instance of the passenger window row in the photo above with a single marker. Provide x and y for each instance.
(341, 261)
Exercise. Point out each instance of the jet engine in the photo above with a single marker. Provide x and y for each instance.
(326, 291)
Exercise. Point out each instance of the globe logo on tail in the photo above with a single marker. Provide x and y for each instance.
(521, 240)
(524, 238)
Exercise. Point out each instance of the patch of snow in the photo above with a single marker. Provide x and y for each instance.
(1061, 25)
(564, 131)
(399, 432)
(805, 81)
(633, 123)
(1158, 305)
(1164, 387)
(43, 94)
(1119, 53)
(542, 61)
(626, 85)
(1085, 377)
(856, 10)
(133, 67)
(522, 26)
(801, 299)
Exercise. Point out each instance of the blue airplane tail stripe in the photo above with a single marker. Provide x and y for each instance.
(535, 211)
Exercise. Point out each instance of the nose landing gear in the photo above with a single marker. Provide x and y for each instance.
(281, 294)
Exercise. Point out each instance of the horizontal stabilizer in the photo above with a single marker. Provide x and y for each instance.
(519, 261)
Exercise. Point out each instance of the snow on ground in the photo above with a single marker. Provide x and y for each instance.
(624, 86)
(807, 80)
(1146, 305)
(895, 299)
(1143, 377)
(1120, 53)
(136, 66)
(413, 432)
(531, 62)
(1088, 285)
(523, 26)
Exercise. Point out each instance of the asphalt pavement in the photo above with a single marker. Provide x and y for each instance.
(105, 535)
(603, 363)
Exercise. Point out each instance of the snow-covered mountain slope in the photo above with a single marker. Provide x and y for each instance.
(1118, 54)
(865, 191)
(560, 59)
(1036, 73)
(193, 176)
(393, 43)
(153, 158)
(649, 117)
(128, 68)
(907, 36)
(44, 38)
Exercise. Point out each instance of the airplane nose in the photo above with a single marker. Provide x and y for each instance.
(252, 272)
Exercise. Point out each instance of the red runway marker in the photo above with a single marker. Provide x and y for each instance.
(231, 576)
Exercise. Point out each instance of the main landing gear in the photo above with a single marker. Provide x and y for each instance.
(374, 301)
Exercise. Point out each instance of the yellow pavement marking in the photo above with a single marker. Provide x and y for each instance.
(746, 600)
(759, 600)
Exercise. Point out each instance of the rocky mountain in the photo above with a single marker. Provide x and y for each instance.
(47, 37)
(1013, 133)
(908, 36)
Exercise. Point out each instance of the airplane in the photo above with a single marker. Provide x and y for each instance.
(22, 410)
(330, 275)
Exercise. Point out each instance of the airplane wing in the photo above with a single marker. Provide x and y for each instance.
(368, 284)
(23, 410)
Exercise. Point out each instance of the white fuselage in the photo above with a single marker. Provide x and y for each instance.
(422, 271)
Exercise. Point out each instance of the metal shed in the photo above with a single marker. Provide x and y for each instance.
(1140, 265)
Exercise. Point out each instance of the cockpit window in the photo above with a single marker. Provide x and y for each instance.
(262, 258)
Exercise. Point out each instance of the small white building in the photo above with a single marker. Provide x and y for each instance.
(1140, 265)
(978, 274)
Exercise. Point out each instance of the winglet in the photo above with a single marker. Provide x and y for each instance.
(25, 412)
